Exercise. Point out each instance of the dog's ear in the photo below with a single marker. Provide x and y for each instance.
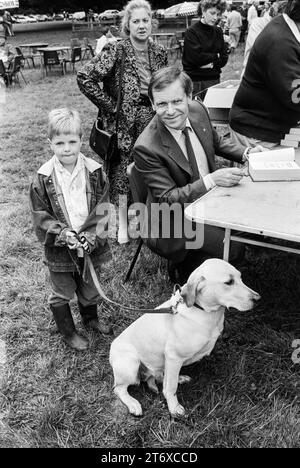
(188, 292)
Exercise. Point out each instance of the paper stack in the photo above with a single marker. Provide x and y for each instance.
(219, 99)
(274, 165)
(292, 138)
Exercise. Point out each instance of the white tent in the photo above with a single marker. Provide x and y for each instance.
(7, 4)
(184, 9)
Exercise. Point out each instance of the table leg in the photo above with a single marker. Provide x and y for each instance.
(226, 244)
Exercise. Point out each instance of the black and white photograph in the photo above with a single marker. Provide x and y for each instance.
(149, 227)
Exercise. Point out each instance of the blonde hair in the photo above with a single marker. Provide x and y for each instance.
(129, 8)
(64, 121)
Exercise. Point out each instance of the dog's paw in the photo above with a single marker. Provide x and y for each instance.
(184, 379)
(178, 411)
(135, 408)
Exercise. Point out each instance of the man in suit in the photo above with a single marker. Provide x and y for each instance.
(175, 155)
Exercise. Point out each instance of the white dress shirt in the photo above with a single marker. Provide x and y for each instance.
(292, 25)
(200, 155)
(73, 187)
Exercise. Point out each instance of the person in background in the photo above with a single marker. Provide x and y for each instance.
(234, 24)
(205, 52)
(104, 39)
(7, 53)
(65, 197)
(257, 25)
(252, 11)
(7, 23)
(265, 10)
(99, 81)
(90, 15)
(267, 102)
(244, 12)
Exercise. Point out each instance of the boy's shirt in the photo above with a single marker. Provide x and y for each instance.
(73, 187)
(50, 217)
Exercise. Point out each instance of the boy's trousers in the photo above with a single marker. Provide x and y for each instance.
(65, 285)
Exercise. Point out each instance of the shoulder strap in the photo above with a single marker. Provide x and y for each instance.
(120, 88)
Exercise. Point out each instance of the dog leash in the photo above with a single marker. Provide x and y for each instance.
(164, 310)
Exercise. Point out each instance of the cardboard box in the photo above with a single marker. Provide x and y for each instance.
(274, 165)
(288, 142)
(292, 136)
(295, 131)
(219, 99)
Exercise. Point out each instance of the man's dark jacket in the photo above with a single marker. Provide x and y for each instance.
(167, 172)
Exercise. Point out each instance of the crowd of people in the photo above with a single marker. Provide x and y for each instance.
(168, 135)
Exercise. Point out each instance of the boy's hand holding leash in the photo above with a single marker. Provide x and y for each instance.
(78, 243)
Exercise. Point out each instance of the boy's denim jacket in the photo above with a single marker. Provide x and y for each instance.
(51, 220)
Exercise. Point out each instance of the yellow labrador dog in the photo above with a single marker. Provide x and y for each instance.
(156, 346)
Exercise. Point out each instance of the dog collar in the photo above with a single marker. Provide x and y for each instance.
(176, 298)
(176, 288)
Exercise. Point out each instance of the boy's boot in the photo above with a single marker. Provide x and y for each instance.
(65, 324)
(90, 319)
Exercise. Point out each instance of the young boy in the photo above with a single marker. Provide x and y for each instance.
(64, 200)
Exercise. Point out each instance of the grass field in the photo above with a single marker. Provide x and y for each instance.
(246, 394)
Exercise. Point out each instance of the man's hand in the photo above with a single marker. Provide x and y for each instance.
(227, 177)
(258, 149)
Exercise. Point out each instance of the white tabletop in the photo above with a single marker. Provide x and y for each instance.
(55, 48)
(266, 208)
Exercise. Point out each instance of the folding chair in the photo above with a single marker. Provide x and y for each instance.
(14, 70)
(139, 195)
(92, 52)
(88, 49)
(173, 48)
(75, 57)
(51, 59)
(75, 42)
(3, 72)
(25, 57)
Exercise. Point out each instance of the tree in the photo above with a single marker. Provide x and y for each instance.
(41, 6)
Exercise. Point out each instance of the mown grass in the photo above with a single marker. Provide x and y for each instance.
(246, 394)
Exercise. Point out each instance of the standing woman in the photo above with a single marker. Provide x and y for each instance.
(205, 51)
(99, 81)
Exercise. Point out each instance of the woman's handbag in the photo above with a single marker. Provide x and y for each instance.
(104, 142)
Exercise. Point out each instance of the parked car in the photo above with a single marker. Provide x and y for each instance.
(32, 18)
(20, 19)
(109, 14)
(58, 17)
(42, 17)
(78, 16)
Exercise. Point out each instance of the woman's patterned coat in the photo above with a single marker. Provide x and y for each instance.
(99, 81)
